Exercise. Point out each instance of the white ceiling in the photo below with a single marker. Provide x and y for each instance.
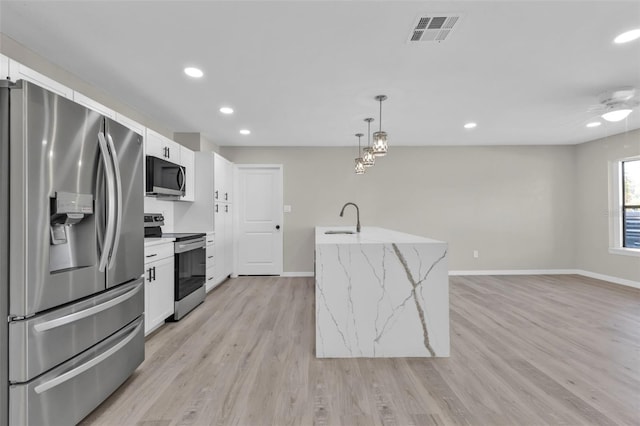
(304, 73)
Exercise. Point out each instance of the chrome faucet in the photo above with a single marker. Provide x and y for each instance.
(357, 213)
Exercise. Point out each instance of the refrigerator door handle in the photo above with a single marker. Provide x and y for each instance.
(76, 316)
(86, 366)
(118, 182)
(108, 234)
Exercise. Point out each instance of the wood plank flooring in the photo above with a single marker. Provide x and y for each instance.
(526, 350)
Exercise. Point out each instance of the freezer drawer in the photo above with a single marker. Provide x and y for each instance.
(65, 395)
(40, 343)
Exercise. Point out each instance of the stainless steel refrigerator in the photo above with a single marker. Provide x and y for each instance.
(71, 256)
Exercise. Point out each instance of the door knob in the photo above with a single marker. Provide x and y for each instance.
(277, 226)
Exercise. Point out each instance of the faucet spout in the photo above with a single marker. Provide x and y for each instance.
(357, 213)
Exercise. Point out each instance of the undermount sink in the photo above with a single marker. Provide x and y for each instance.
(339, 232)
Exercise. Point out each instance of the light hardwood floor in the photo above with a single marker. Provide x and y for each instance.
(526, 350)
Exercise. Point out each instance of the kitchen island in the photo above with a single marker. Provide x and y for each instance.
(380, 293)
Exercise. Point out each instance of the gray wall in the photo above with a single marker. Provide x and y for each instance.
(514, 204)
(521, 207)
(592, 205)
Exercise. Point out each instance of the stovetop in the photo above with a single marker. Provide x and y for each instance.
(152, 223)
(182, 236)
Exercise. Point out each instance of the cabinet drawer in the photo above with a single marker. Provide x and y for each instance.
(210, 259)
(157, 252)
(209, 273)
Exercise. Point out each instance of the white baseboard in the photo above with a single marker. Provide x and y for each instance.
(516, 272)
(615, 280)
(297, 274)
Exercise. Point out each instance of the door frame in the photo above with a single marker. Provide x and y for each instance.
(236, 213)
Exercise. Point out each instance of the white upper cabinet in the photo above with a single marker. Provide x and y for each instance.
(187, 159)
(223, 179)
(17, 71)
(94, 105)
(162, 147)
(133, 125)
(4, 67)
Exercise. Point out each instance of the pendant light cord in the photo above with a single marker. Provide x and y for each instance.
(368, 133)
(380, 128)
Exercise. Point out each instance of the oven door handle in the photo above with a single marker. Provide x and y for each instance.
(187, 246)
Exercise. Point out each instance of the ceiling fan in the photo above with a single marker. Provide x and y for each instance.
(617, 104)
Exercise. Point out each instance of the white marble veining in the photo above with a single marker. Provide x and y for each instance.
(381, 293)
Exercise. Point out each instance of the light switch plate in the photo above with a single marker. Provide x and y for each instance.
(287, 208)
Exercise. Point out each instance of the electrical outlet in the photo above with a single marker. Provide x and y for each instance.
(475, 254)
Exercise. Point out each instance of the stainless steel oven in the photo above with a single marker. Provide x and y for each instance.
(190, 261)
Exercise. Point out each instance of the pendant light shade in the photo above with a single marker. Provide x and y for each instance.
(368, 157)
(359, 166)
(380, 138)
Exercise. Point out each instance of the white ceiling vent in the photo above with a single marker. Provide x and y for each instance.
(433, 28)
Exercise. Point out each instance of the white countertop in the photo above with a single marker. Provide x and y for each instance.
(148, 242)
(368, 235)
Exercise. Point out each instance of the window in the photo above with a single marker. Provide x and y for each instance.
(625, 207)
(630, 171)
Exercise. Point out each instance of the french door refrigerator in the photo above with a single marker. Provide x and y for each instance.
(71, 256)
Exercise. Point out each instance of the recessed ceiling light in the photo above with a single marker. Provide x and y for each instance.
(193, 72)
(470, 125)
(226, 110)
(594, 124)
(245, 132)
(627, 36)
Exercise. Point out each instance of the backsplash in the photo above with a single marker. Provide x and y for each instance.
(154, 205)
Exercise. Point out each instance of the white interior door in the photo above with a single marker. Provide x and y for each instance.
(259, 213)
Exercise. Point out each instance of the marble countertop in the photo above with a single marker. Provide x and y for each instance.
(367, 235)
(148, 242)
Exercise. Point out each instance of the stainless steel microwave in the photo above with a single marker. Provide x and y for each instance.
(164, 178)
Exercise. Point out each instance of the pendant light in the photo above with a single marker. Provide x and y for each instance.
(359, 169)
(368, 158)
(380, 144)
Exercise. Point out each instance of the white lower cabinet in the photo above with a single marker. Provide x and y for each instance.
(224, 241)
(158, 286)
(210, 266)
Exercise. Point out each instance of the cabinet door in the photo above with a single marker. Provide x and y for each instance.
(228, 240)
(133, 125)
(4, 67)
(18, 71)
(219, 176)
(228, 180)
(159, 293)
(94, 105)
(219, 246)
(154, 144)
(162, 147)
(147, 304)
(187, 159)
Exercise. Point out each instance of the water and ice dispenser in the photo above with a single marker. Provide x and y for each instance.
(72, 227)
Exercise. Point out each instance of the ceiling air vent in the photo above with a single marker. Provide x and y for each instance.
(433, 28)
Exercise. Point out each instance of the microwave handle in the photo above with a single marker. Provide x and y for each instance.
(184, 178)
